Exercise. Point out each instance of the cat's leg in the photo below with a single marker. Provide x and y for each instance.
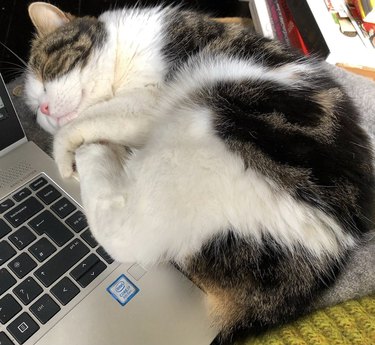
(159, 203)
(103, 190)
(109, 121)
(129, 209)
(102, 166)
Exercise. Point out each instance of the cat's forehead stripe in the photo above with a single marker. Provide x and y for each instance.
(67, 47)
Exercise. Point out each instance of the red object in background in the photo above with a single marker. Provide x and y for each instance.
(360, 9)
(295, 37)
(278, 21)
(368, 27)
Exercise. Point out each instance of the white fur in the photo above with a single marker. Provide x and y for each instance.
(202, 70)
(130, 60)
(184, 187)
(181, 185)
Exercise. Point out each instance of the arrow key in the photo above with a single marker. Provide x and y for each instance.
(28, 290)
(84, 266)
(87, 278)
(65, 290)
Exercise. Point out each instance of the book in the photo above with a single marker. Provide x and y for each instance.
(366, 9)
(367, 29)
(295, 38)
(278, 21)
(308, 28)
(347, 27)
(261, 18)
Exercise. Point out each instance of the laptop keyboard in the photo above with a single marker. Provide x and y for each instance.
(48, 257)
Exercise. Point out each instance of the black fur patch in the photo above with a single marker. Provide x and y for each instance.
(308, 140)
(294, 130)
(186, 34)
(268, 284)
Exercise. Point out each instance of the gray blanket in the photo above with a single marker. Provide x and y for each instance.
(359, 278)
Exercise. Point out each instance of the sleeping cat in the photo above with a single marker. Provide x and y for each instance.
(246, 166)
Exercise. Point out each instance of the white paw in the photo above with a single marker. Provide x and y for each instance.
(67, 140)
(65, 163)
(85, 154)
(89, 156)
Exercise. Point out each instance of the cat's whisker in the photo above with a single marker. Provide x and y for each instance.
(13, 64)
(13, 53)
(367, 219)
(12, 69)
(12, 73)
(359, 145)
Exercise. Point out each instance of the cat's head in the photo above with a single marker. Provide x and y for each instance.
(65, 69)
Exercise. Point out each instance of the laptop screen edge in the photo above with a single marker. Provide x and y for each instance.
(19, 133)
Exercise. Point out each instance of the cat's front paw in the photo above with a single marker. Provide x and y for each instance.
(66, 142)
(91, 156)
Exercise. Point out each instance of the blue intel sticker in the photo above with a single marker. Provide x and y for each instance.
(122, 290)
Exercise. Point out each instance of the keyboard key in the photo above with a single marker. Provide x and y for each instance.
(28, 290)
(63, 207)
(55, 267)
(84, 266)
(38, 183)
(22, 265)
(22, 194)
(44, 308)
(23, 211)
(91, 274)
(22, 237)
(6, 281)
(8, 308)
(77, 221)
(65, 290)
(4, 229)
(6, 205)
(4, 340)
(6, 252)
(42, 249)
(47, 223)
(23, 327)
(48, 194)
(102, 252)
(89, 238)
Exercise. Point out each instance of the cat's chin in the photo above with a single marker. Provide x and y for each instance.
(48, 123)
(51, 124)
(63, 120)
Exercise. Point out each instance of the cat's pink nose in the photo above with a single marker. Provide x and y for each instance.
(44, 109)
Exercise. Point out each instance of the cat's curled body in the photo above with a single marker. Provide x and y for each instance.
(248, 168)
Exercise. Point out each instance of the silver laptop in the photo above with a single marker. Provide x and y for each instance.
(57, 284)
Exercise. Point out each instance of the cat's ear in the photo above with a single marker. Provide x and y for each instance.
(47, 18)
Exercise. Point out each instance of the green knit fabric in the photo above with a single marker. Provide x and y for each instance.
(349, 323)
